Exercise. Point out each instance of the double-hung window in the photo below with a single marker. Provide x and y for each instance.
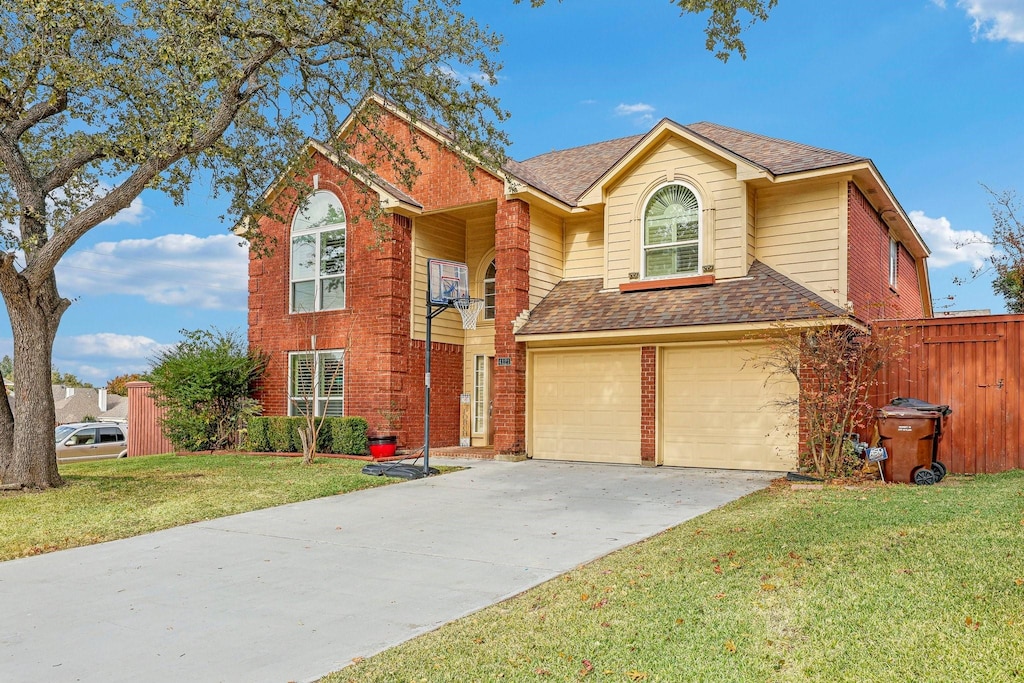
(318, 255)
(316, 381)
(489, 291)
(672, 232)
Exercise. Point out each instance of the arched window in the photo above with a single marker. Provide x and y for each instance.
(318, 255)
(489, 292)
(672, 232)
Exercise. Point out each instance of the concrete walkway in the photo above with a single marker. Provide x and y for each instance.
(294, 592)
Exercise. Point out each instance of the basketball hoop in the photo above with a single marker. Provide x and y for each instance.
(469, 309)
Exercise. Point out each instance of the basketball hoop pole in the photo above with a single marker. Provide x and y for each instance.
(433, 310)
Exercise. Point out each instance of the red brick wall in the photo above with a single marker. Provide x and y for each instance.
(383, 366)
(648, 403)
(442, 180)
(868, 279)
(512, 289)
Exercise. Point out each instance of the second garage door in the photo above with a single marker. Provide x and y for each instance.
(716, 410)
(585, 405)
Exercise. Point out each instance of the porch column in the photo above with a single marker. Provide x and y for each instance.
(512, 297)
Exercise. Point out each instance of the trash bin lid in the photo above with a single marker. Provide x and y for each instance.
(920, 404)
(904, 412)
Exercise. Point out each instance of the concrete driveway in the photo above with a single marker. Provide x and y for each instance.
(294, 592)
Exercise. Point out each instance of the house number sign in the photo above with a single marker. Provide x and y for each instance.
(504, 362)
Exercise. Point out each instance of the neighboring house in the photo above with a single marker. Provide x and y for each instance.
(623, 281)
(73, 404)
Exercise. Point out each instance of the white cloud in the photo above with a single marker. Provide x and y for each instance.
(109, 345)
(133, 214)
(632, 109)
(173, 270)
(951, 247)
(994, 19)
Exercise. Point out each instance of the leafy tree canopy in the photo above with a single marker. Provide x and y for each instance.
(119, 384)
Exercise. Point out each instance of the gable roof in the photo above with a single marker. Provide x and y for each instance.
(763, 296)
(566, 174)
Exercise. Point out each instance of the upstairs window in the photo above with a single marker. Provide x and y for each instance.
(894, 262)
(489, 278)
(318, 255)
(672, 231)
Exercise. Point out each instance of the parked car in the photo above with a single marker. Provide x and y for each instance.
(91, 441)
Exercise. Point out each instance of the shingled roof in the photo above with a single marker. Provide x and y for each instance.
(566, 174)
(763, 296)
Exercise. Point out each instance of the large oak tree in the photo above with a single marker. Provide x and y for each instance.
(101, 100)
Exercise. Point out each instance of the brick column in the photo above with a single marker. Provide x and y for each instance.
(388, 333)
(648, 405)
(512, 297)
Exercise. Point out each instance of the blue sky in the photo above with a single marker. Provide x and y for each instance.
(929, 90)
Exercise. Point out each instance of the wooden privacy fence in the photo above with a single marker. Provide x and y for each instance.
(144, 435)
(973, 365)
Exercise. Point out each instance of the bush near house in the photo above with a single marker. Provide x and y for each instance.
(340, 435)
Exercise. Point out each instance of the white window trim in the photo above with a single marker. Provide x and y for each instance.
(480, 393)
(700, 233)
(331, 400)
(894, 262)
(494, 281)
(318, 277)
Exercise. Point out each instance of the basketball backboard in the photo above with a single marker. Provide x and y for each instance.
(446, 281)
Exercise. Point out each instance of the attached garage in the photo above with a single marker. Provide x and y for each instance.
(715, 410)
(585, 405)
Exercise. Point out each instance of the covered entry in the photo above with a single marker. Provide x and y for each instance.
(585, 405)
(715, 410)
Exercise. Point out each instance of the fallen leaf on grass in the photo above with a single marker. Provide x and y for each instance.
(972, 624)
(542, 672)
(600, 603)
(719, 596)
(1019, 582)
(585, 597)
(358, 660)
(478, 641)
(767, 586)
(637, 675)
(718, 569)
(730, 646)
(587, 669)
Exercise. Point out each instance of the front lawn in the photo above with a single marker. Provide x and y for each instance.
(884, 583)
(109, 499)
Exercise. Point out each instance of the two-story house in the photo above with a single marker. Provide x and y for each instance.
(624, 283)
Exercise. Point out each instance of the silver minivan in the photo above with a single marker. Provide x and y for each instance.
(91, 441)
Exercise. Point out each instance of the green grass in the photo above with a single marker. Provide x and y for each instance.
(110, 499)
(884, 583)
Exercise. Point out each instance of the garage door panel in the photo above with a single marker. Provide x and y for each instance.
(717, 411)
(586, 406)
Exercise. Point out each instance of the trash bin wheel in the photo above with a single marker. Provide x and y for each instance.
(924, 476)
(940, 471)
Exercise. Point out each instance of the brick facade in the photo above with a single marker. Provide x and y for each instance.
(384, 367)
(868, 267)
(512, 296)
(648, 404)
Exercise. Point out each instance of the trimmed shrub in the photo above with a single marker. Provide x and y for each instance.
(348, 435)
(344, 435)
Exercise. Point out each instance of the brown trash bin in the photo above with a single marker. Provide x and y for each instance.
(909, 437)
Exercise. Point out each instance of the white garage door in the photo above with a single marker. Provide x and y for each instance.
(585, 405)
(716, 410)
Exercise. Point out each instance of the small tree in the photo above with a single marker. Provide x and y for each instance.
(314, 375)
(204, 384)
(119, 385)
(835, 368)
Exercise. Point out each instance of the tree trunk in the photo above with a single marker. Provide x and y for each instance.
(30, 459)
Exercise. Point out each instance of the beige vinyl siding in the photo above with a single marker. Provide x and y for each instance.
(435, 237)
(721, 193)
(546, 254)
(584, 247)
(751, 223)
(797, 231)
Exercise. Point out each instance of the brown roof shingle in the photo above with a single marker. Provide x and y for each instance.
(566, 174)
(763, 296)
